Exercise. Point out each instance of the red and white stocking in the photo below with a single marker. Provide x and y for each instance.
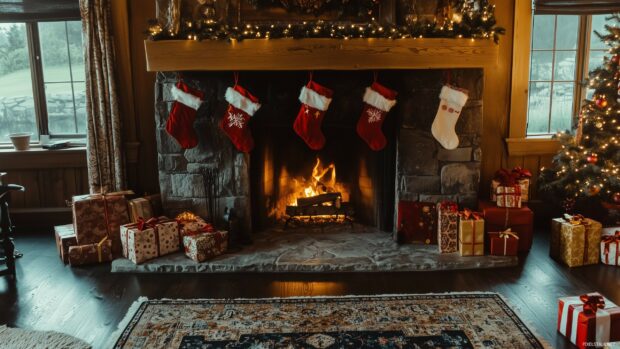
(443, 129)
(316, 100)
(378, 101)
(242, 105)
(180, 123)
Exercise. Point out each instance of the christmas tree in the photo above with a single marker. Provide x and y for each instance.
(585, 173)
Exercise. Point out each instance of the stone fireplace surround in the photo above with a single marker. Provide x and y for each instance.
(421, 169)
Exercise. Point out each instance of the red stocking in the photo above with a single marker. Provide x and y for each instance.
(378, 101)
(316, 100)
(180, 123)
(241, 107)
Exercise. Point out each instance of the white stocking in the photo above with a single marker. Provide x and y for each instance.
(452, 102)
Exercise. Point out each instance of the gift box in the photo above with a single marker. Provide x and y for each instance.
(150, 239)
(140, 208)
(156, 205)
(471, 234)
(100, 215)
(447, 227)
(91, 254)
(575, 240)
(610, 249)
(519, 220)
(192, 224)
(204, 246)
(517, 176)
(416, 222)
(504, 243)
(589, 320)
(508, 196)
(65, 238)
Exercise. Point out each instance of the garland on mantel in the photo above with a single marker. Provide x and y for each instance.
(316, 7)
(465, 21)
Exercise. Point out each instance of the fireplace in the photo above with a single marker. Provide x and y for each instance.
(367, 185)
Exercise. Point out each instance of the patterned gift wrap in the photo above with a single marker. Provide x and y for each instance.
(447, 227)
(524, 185)
(610, 249)
(99, 215)
(471, 234)
(589, 319)
(65, 238)
(518, 176)
(416, 222)
(205, 246)
(192, 224)
(575, 240)
(140, 208)
(508, 196)
(91, 254)
(150, 239)
(504, 243)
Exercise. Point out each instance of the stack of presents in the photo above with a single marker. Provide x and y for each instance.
(110, 226)
(503, 225)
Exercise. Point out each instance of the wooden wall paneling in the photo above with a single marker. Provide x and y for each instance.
(532, 163)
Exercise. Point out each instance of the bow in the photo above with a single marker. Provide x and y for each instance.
(505, 178)
(468, 214)
(611, 239)
(186, 217)
(207, 228)
(145, 224)
(576, 219)
(507, 234)
(449, 206)
(592, 303)
(521, 173)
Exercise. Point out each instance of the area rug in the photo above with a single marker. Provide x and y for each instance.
(17, 338)
(457, 320)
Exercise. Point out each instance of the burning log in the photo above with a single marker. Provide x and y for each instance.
(319, 199)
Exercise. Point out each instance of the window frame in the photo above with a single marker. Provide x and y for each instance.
(38, 81)
(519, 143)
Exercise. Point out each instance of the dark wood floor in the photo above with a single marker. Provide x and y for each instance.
(89, 302)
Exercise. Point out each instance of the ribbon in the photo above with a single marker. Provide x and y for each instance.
(99, 249)
(580, 220)
(469, 215)
(505, 178)
(507, 234)
(592, 303)
(521, 173)
(607, 241)
(449, 206)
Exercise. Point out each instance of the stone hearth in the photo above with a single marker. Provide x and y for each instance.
(335, 249)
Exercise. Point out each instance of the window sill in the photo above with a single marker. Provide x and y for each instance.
(532, 146)
(39, 158)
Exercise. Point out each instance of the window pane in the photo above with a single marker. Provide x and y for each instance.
(543, 32)
(76, 50)
(598, 25)
(565, 65)
(541, 65)
(538, 107)
(16, 97)
(54, 51)
(79, 89)
(60, 108)
(562, 106)
(566, 33)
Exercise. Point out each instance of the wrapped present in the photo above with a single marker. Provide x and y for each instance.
(471, 233)
(65, 238)
(518, 176)
(589, 320)
(505, 243)
(610, 249)
(508, 196)
(156, 205)
(575, 240)
(192, 224)
(416, 223)
(91, 253)
(150, 239)
(140, 208)
(201, 247)
(519, 220)
(99, 215)
(447, 227)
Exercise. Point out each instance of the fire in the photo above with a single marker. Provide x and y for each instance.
(321, 183)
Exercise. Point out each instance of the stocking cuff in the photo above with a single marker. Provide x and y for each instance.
(242, 102)
(186, 98)
(313, 99)
(454, 96)
(378, 101)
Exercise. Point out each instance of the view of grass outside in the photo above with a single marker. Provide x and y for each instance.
(63, 77)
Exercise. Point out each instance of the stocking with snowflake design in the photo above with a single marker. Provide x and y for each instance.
(242, 105)
(180, 123)
(443, 129)
(378, 101)
(315, 101)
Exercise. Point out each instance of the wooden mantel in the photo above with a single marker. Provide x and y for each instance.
(320, 54)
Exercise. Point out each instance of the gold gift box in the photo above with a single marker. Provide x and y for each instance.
(576, 244)
(471, 237)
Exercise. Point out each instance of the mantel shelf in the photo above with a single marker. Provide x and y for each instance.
(320, 54)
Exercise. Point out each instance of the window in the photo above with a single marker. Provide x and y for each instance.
(564, 48)
(42, 88)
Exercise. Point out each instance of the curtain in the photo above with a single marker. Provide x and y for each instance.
(576, 7)
(106, 163)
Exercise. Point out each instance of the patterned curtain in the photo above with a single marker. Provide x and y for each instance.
(106, 164)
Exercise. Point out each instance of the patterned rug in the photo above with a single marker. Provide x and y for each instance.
(460, 320)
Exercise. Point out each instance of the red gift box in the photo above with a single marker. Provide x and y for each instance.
(417, 222)
(504, 243)
(519, 220)
(588, 320)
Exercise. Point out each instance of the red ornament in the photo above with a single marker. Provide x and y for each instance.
(615, 59)
(616, 198)
(601, 102)
(592, 158)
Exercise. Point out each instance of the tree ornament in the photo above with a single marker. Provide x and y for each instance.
(592, 158)
(601, 102)
(594, 190)
(614, 59)
(616, 198)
